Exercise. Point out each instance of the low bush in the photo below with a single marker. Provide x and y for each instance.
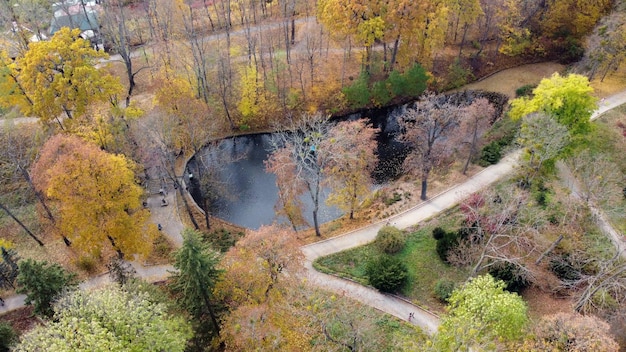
(446, 242)
(8, 337)
(564, 269)
(490, 154)
(87, 264)
(443, 289)
(525, 90)
(386, 273)
(390, 240)
(511, 275)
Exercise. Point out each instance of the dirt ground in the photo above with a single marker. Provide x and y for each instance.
(507, 81)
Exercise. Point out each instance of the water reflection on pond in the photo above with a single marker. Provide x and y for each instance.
(248, 194)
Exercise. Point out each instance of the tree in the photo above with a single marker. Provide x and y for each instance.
(569, 332)
(498, 229)
(426, 128)
(8, 266)
(605, 50)
(196, 277)
(20, 147)
(53, 75)
(568, 99)
(475, 122)
(598, 176)
(97, 197)
(543, 139)
(289, 202)
(260, 263)
(109, 319)
(352, 147)
(307, 158)
(480, 313)
(118, 34)
(42, 283)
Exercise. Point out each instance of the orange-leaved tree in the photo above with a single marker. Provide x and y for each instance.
(96, 196)
(352, 149)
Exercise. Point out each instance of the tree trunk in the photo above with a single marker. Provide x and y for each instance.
(21, 224)
(424, 187)
(463, 39)
(206, 213)
(316, 224)
(549, 250)
(209, 307)
(37, 193)
(394, 53)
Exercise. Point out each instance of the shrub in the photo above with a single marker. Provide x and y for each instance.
(443, 289)
(380, 94)
(415, 79)
(389, 240)
(358, 94)
(386, 273)
(447, 242)
(525, 90)
(511, 275)
(563, 268)
(438, 233)
(222, 239)
(87, 264)
(490, 154)
(8, 337)
(397, 83)
(458, 75)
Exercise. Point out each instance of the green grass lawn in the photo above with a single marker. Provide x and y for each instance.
(423, 264)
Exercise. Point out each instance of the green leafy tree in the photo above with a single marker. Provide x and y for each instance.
(109, 319)
(196, 277)
(568, 99)
(480, 313)
(42, 283)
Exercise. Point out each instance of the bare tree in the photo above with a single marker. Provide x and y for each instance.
(542, 138)
(597, 175)
(306, 161)
(501, 229)
(427, 129)
(116, 32)
(476, 120)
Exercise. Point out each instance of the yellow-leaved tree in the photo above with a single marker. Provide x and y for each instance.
(96, 196)
(58, 78)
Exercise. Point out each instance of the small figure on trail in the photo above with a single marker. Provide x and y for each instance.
(159, 227)
(411, 316)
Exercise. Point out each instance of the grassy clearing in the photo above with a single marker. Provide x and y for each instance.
(423, 264)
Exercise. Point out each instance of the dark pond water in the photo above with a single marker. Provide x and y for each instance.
(245, 194)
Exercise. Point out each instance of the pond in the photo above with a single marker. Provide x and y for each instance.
(243, 194)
